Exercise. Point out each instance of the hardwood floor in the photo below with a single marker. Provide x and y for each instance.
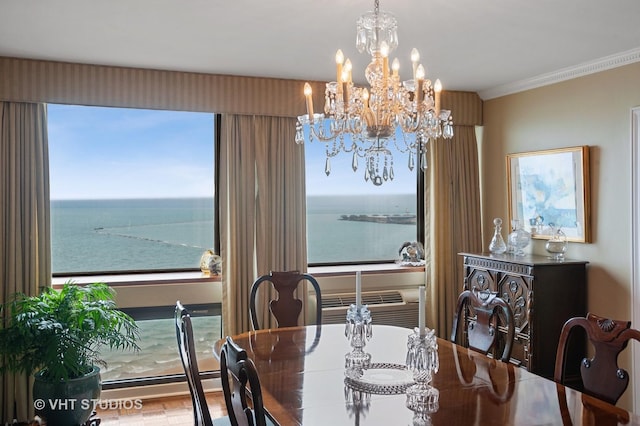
(175, 410)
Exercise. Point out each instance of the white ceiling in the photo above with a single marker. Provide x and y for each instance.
(491, 46)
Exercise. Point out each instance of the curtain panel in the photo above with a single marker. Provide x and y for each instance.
(25, 248)
(263, 211)
(453, 221)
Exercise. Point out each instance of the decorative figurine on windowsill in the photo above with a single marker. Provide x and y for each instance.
(211, 263)
(411, 254)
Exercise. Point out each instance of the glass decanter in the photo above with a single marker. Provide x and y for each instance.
(518, 238)
(497, 244)
(556, 246)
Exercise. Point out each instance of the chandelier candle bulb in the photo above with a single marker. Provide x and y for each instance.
(384, 51)
(358, 289)
(421, 313)
(415, 58)
(307, 93)
(395, 67)
(437, 88)
(365, 99)
(348, 67)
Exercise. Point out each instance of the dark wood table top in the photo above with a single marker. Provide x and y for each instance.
(303, 383)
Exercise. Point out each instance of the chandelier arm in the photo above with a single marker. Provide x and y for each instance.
(319, 133)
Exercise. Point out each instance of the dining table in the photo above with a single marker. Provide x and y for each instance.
(305, 381)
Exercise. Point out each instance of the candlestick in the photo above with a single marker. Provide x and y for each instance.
(421, 313)
(384, 52)
(437, 88)
(339, 61)
(419, 80)
(307, 94)
(358, 289)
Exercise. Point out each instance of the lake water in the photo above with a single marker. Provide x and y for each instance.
(112, 235)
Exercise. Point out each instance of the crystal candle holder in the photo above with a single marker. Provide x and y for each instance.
(357, 402)
(423, 362)
(358, 330)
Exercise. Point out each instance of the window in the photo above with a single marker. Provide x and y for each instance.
(350, 220)
(131, 189)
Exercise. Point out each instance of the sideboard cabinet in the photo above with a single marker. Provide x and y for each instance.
(543, 295)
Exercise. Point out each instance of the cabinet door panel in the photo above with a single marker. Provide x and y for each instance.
(480, 279)
(516, 291)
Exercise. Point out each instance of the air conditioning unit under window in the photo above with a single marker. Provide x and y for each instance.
(390, 307)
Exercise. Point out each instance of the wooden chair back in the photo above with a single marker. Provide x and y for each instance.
(601, 376)
(482, 331)
(286, 309)
(186, 347)
(235, 364)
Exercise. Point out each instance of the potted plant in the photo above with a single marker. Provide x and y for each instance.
(57, 336)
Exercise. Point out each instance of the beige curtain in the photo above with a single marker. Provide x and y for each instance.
(453, 221)
(263, 210)
(25, 260)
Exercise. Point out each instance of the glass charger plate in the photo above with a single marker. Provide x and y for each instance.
(379, 378)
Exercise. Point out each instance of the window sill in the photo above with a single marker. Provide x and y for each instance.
(374, 268)
(199, 277)
(147, 278)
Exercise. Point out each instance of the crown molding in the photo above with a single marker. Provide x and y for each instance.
(598, 65)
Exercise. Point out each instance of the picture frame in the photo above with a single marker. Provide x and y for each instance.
(549, 189)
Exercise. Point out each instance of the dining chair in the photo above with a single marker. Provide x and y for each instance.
(479, 311)
(186, 348)
(286, 309)
(235, 364)
(601, 376)
(490, 376)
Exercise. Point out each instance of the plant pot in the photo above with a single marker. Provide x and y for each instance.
(69, 402)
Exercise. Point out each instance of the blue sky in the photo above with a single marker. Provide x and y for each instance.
(345, 180)
(102, 153)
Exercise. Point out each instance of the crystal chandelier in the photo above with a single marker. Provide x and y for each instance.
(403, 113)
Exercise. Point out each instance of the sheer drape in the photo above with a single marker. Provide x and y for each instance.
(25, 250)
(453, 221)
(263, 210)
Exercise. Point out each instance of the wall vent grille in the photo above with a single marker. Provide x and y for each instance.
(389, 307)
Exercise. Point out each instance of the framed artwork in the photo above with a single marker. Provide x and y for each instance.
(550, 189)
